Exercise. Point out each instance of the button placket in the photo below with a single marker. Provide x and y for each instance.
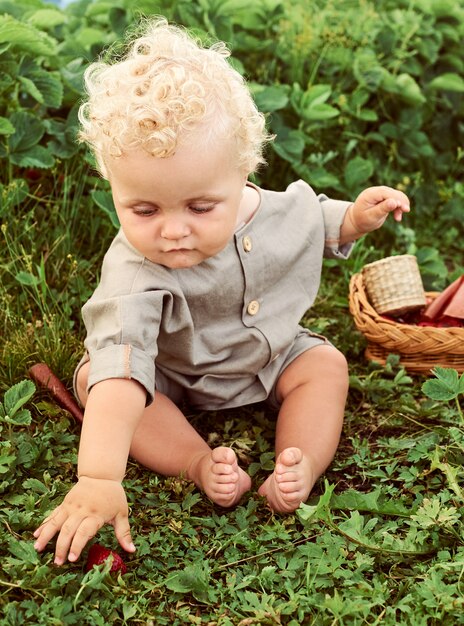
(252, 272)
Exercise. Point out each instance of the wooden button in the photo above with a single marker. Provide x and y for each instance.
(247, 243)
(253, 307)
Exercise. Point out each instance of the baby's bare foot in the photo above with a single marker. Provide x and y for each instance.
(219, 476)
(290, 483)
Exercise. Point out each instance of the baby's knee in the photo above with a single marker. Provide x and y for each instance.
(331, 364)
(337, 361)
(321, 366)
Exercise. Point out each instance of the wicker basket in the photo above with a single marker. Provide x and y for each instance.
(420, 348)
(394, 284)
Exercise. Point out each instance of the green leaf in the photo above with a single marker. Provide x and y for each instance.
(7, 462)
(435, 390)
(367, 115)
(24, 551)
(316, 95)
(431, 263)
(22, 417)
(29, 130)
(367, 70)
(447, 375)
(26, 278)
(432, 512)
(357, 172)
(270, 99)
(405, 87)
(25, 37)
(49, 87)
(313, 107)
(6, 127)
(452, 473)
(37, 156)
(445, 387)
(193, 579)
(444, 8)
(104, 200)
(63, 143)
(318, 177)
(72, 74)
(307, 512)
(102, 7)
(18, 395)
(6, 83)
(320, 112)
(409, 90)
(88, 37)
(448, 82)
(30, 88)
(373, 502)
(289, 145)
(32, 484)
(47, 18)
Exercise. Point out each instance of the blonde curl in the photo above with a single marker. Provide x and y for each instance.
(163, 89)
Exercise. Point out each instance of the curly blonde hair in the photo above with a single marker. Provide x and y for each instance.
(164, 88)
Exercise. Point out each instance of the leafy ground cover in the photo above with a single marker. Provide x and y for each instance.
(356, 95)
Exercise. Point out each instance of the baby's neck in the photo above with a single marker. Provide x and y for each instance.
(250, 202)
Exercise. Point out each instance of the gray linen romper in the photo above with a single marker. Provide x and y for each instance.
(217, 334)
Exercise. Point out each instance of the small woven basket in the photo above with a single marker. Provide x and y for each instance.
(420, 348)
(394, 284)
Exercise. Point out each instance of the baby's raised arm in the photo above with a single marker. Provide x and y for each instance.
(113, 410)
(371, 209)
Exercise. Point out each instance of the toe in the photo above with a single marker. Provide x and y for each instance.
(290, 457)
(222, 468)
(226, 478)
(223, 455)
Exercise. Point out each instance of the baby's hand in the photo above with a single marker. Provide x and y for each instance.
(372, 206)
(90, 504)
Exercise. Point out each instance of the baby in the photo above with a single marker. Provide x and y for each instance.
(201, 291)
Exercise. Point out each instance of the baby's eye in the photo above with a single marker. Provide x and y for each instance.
(202, 208)
(144, 212)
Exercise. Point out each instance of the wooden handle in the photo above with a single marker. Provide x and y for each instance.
(45, 378)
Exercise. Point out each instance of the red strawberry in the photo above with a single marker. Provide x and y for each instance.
(98, 555)
(33, 174)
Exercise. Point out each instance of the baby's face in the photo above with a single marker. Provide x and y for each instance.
(180, 210)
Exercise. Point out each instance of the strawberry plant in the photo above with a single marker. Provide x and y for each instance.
(446, 386)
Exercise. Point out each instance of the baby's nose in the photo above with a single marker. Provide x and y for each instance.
(174, 228)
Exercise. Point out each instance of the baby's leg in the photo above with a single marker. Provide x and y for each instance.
(312, 390)
(167, 443)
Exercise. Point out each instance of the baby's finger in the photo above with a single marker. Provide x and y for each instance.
(87, 529)
(53, 515)
(397, 215)
(123, 533)
(66, 538)
(404, 200)
(48, 529)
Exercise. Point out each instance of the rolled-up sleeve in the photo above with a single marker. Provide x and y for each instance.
(122, 335)
(334, 213)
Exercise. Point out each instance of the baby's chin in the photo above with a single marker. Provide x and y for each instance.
(178, 259)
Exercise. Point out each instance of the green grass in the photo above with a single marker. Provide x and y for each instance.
(380, 540)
